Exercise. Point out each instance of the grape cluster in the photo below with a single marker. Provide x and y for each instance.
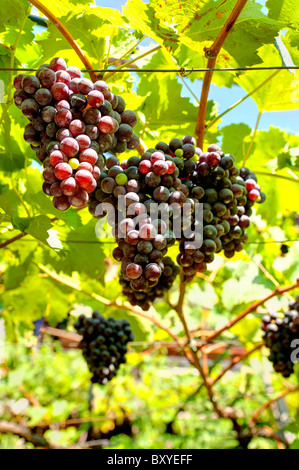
(232, 242)
(143, 238)
(72, 123)
(104, 344)
(178, 173)
(146, 297)
(279, 330)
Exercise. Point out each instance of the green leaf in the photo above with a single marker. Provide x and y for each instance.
(278, 93)
(233, 139)
(285, 11)
(251, 30)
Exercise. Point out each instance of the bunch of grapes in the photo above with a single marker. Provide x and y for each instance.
(104, 345)
(241, 221)
(177, 176)
(280, 330)
(146, 297)
(143, 238)
(72, 123)
(227, 195)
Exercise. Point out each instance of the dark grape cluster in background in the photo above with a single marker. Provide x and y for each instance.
(179, 173)
(73, 121)
(104, 344)
(279, 330)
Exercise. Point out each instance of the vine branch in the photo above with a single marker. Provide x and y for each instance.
(67, 35)
(109, 303)
(252, 308)
(212, 54)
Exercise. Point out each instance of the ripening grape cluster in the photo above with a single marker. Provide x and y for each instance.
(178, 173)
(73, 121)
(104, 344)
(279, 332)
(144, 298)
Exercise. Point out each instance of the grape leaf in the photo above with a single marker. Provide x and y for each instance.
(284, 10)
(278, 93)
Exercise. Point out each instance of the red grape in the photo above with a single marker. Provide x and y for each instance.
(63, 104)
(83, 141)
(63, 77)
(145, 166)
(108, 125)
(58, 64)
(80, 199)
(69, 186)
(74, 72)
(83, 178)
(63, 118)
(61, 203)
(77, 127)
(57, 157)
(88, 155)
(63, 171)
(95, 98)
(69, 147)
(85, 86)
(60, 91)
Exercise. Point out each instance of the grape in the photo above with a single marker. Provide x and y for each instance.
(63, 118)
(129, 117)
(83, 178)
(92, 116)
(77, 127)
(61, 203)
(60, 91)
(63, 171)
(160, 167)
(30, 84)
(30, 108)
(48, 114)
(134, 271)
(69, 147)
(279, 331)
(89, 155)
(108, 125)
(58, 64)
(69, 186)
(92, 132)
(80, 199)
(85, 86)
(74, 72)
(43, 96)
(95, 98)
(63, 77)
(57, 157)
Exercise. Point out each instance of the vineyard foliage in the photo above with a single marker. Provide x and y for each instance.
(57, 265)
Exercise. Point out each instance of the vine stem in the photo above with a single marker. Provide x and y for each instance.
(194, 357)
(217, 118)
(67, 35)
(252, 308)
(236, 360)
(212, 54)
(264, 173)
(268, 403)
(109, 303)
(132, 60)
(253, 137)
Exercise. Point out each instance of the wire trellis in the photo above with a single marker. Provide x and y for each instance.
(182, 71)
(96, 242)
